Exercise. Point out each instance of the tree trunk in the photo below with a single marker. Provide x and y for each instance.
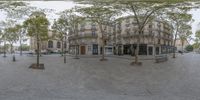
(62, 49)
(136, 61)
(137, 53)
(38, 50)
(20, 47)
(11, 47)
(4, 49)
(103, 52)
(103, 43)
(76, 42)
(12, 52)
(174, 53)
(65, 51)
(182, 45)
(76, 51)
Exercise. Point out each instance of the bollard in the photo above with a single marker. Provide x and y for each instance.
(14, 58)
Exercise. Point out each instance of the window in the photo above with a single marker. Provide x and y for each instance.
(65, 45)
(93, 26)
(58, 45)
(158, 41)
(93, 33)
(127, 25)
(150, 26)
(127, 20)
(89, 48)
(82, 27)
(109, 49)
(159, 25)
(50, 44)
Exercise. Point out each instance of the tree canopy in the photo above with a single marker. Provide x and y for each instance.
(37, 25)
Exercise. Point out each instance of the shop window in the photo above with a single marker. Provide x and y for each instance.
(50, 44)
(58, 45)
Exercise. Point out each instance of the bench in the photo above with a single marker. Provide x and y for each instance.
(161, 58)
(30, 54)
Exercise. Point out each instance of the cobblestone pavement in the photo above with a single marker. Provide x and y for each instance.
(90, 79)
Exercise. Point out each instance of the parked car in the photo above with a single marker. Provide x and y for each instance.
(181, 52)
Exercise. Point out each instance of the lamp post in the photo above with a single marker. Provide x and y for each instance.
(65, 45)
(65, 42)
(4, 49)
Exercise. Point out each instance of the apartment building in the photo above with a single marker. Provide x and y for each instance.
(88, 39)
(51, 45)
(120, 38)
(156, 37)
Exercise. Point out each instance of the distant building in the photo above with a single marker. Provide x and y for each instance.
(180, 45)
(51, 45)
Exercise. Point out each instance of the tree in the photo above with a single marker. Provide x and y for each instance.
(60, 27)
(1, 34)
(4, 25)
(24, 47)
(12, 38)
(73, 21)
(0, 39)
(21, 31)
(179, 19)
(185, 34)
(189, 48)
(3, 39)
(197, 40)
(142, 10)
(37, 27)
(145, 11)
(103, 16)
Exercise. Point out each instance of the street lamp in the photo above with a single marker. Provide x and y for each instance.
(65, 45)
(65, 42)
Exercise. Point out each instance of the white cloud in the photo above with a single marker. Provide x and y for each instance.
(59, 6)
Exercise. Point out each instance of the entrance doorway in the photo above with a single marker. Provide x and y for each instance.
(157, 50)
(95, 49)
(82, 50)
(150, 50)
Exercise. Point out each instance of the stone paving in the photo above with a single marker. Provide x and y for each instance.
(90, 79)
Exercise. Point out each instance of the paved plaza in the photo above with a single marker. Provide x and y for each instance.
(90, 79)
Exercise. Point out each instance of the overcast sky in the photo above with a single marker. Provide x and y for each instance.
(59, 6)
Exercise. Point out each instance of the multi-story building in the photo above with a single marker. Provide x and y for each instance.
(119, 38)
(180, 45)
(122, 38)
(88, 39)
(156, 37)
(51, 45)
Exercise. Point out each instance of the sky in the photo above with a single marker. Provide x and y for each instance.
(59, 6)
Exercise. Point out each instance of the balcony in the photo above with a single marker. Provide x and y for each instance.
(86, 35)
(167, 31)
(167, 38)
(82, 29)
(93, 28)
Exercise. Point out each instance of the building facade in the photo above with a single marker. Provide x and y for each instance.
(122, 38)
(156, 37)
(181, 45)
(49, 46)
(88, 39)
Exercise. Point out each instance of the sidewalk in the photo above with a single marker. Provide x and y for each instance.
(141, 57)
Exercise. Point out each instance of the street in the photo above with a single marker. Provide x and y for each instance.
(91, 79)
